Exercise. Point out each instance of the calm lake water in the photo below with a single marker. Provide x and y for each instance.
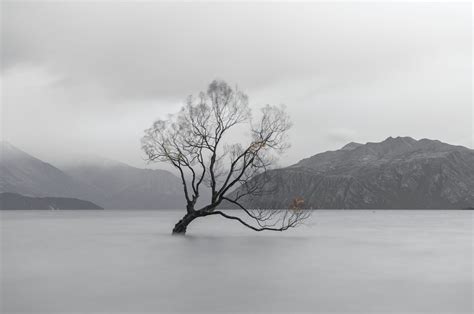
(339, 262)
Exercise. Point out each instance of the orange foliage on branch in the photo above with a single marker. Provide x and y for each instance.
(297, 203)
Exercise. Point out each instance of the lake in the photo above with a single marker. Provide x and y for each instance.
(339, 262)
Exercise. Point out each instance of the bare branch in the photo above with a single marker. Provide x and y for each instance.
(195, 142)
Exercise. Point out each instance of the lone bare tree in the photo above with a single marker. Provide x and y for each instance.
(194, 141)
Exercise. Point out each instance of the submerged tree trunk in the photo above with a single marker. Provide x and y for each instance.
(180, 227)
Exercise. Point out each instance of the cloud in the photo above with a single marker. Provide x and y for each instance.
(149, 49)
(102, 70)
(341, 135)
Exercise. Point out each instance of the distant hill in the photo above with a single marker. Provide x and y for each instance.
(17, 201)
(121, 186)
(110, 184)
(26, 175)
(396, 173)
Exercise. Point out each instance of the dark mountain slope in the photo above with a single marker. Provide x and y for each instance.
(396, 173)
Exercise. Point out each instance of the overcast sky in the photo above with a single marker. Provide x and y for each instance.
(89, 77)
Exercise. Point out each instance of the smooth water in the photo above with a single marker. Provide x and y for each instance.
(340, 262)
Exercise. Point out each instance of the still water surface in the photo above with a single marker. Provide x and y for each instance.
(339, 262)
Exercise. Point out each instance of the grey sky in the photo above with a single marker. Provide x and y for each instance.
(89, 77)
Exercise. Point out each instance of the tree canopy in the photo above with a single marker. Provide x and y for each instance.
(197, 142)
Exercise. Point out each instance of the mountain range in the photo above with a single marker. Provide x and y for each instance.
(109, 184)
(396, 173)
(120, 186)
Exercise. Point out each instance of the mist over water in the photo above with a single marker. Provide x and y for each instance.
(340, 261)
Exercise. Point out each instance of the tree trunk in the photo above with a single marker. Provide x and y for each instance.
(180, 227)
